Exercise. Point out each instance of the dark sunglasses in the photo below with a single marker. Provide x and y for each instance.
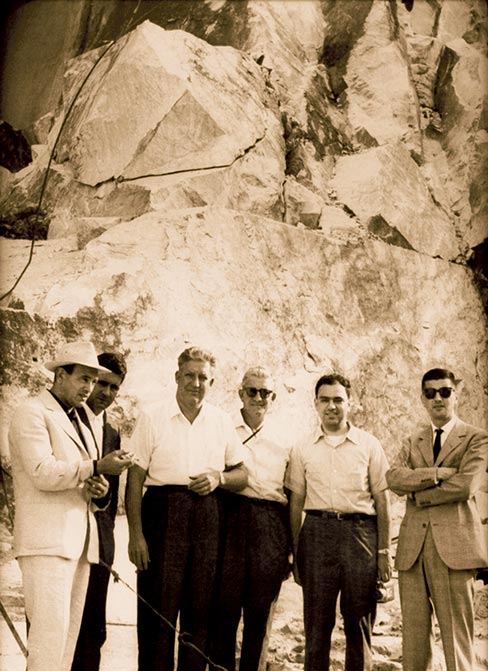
(252, 392)
(430, 393)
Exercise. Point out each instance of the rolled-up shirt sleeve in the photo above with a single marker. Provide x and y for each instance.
(143, 440)
(378, 467)
(234, 451)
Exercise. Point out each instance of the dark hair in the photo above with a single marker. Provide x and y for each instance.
(196, 354)
(114, 362)
(438, 374)
(333, 378)
(69, 368)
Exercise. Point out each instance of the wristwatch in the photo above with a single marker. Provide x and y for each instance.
(222, 480)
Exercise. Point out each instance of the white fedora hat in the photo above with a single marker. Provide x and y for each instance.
(81, 353)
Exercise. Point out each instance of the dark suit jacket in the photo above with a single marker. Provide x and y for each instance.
(108, 505)
(449, 509)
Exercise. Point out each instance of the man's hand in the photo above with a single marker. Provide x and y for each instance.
(204, 483)
(115, 462)
(138, 552)
(384, 567)
(96, 487)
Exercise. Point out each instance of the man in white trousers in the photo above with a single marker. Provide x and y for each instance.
(56, 475)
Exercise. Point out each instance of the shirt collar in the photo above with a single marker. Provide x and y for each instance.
(447, 428)
(65, 407)
(238, 421)
(352, 434)
(175, 410)
(94, 419)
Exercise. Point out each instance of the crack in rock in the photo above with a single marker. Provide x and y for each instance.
(239, 156)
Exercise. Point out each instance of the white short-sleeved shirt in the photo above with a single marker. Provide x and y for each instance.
(171, 449)
(343, 477)
(96, 422)
(266, 457)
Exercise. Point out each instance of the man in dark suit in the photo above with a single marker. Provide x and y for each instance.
(442, 541)
(107, 439)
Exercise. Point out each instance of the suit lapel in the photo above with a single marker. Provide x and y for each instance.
(452, 441)
(63, 421)
(424, 444)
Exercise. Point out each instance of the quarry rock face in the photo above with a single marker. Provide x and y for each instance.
(151, 285)
(177, 103)
(373, 185)
(296, 184)
(299, 184)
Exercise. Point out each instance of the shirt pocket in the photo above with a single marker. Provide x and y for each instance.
(351, 481)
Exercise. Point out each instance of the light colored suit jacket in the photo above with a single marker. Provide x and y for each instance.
(449, 508)
(49, 466)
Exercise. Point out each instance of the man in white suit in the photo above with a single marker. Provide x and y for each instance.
(442, 542)
(56, 474)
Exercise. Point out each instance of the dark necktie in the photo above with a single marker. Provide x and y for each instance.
(74, 421)
(437, 443)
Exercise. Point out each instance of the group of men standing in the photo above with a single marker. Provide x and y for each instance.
(216, 506)
(209, 536)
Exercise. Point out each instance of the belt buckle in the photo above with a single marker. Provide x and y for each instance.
(339, 516)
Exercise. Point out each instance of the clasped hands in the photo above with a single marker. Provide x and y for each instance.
(114, 463)
(96, 487)
(204, 483)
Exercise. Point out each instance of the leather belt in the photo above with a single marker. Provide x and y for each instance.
(265, 503)
(333, 515)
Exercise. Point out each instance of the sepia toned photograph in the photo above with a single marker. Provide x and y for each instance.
(244, 362)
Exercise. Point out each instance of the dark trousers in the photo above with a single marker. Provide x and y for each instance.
(93, 631)
(338, 556)
(182, 532)
(253, 566)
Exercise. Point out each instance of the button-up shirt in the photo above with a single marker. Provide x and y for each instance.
(96, 423)
(340, 477)
(171, 449)
(266, 456)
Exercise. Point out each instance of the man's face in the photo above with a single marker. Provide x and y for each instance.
(440, 409)
(74, 389)
(104, 392)
(332, 405)
(193, 380)
(253, 405)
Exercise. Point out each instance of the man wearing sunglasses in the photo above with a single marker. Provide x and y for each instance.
(440, 467)
(256, 532)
